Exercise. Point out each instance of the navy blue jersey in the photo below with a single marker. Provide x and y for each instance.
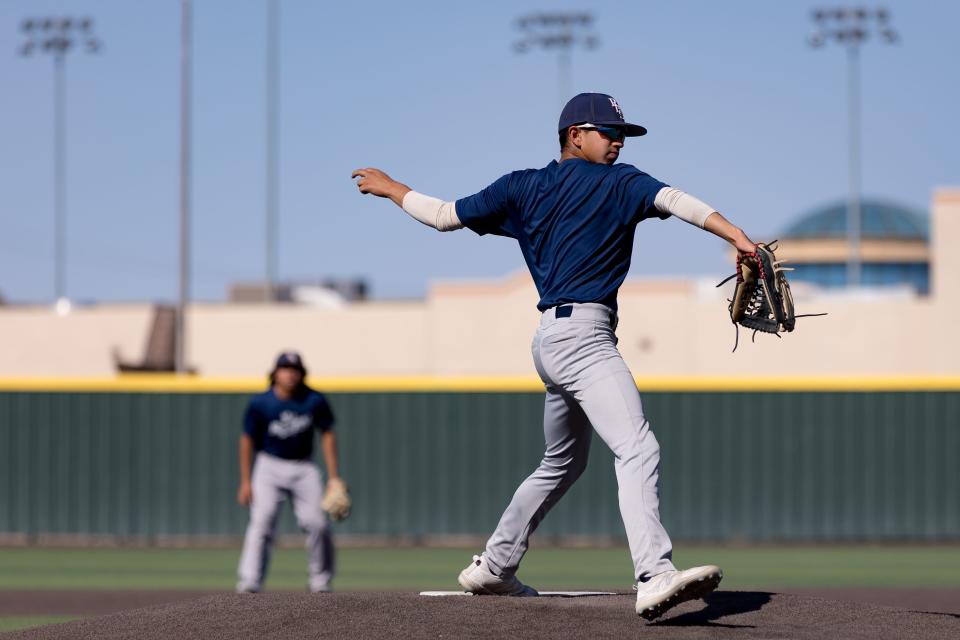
(575, 222)
(284, 428)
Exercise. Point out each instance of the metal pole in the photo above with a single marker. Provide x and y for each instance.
(851, 27)
(271, 160)
(57, 36)
(560, 31)
(185, 85)
(59, 181)
(853, 208)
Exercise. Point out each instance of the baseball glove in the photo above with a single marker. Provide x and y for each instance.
(761, 297)
(336, 500)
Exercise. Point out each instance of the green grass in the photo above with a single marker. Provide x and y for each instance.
(12, 623)
(371, 569)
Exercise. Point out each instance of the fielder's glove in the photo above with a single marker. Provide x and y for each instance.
(761, 297)
(336, 500)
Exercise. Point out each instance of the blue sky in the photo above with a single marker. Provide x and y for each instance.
(741, 113)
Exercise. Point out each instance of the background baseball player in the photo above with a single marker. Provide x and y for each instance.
(575, 220)
(278, 428)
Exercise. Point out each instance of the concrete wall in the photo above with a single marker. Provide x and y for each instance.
(37, 341)
(945, 231)
(667, 327)
(381, 338)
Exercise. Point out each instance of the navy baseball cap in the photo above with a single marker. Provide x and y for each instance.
(289, 359)
(597, 108)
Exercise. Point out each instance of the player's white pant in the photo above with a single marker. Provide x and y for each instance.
(274, 479)
(588, 384)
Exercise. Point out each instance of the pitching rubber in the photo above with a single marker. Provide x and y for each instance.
(543, 594)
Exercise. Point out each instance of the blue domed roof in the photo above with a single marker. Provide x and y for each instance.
(881, 220)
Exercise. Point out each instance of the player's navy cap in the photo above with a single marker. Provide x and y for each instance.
(289, 359)
(597, 108)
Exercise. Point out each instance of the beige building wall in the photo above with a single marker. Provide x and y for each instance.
(945, 274)
(358, 339)
(484, 328)
(35, 341)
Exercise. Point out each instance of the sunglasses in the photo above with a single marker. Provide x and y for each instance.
(614, 133)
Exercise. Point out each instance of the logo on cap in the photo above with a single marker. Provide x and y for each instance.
(616, 107)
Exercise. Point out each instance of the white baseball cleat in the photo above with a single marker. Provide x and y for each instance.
(668, 589)
(477, 578)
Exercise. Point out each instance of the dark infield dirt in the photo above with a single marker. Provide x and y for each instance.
(724, 614)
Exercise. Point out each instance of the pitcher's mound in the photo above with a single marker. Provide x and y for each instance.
(734, 614)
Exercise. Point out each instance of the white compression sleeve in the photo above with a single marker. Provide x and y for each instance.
(432, 212)
(683, 205)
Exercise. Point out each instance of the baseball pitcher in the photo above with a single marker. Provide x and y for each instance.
(575, 220)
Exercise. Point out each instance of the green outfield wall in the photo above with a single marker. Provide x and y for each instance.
(762, 465)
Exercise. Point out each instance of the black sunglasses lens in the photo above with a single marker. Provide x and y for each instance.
(613, 133)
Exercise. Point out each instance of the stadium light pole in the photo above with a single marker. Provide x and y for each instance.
(270, 254)
(58, 36)
(561, 32)
(849, 28)
(183, 296)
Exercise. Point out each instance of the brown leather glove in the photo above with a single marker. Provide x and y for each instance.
(761, 297)
(336, 500)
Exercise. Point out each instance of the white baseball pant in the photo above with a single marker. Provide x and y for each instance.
(588, 384)
(274, 480)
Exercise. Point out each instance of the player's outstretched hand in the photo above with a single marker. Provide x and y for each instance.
(745, 245)
(377, 183)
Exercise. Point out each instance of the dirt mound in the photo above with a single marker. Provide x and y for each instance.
(739, 614)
